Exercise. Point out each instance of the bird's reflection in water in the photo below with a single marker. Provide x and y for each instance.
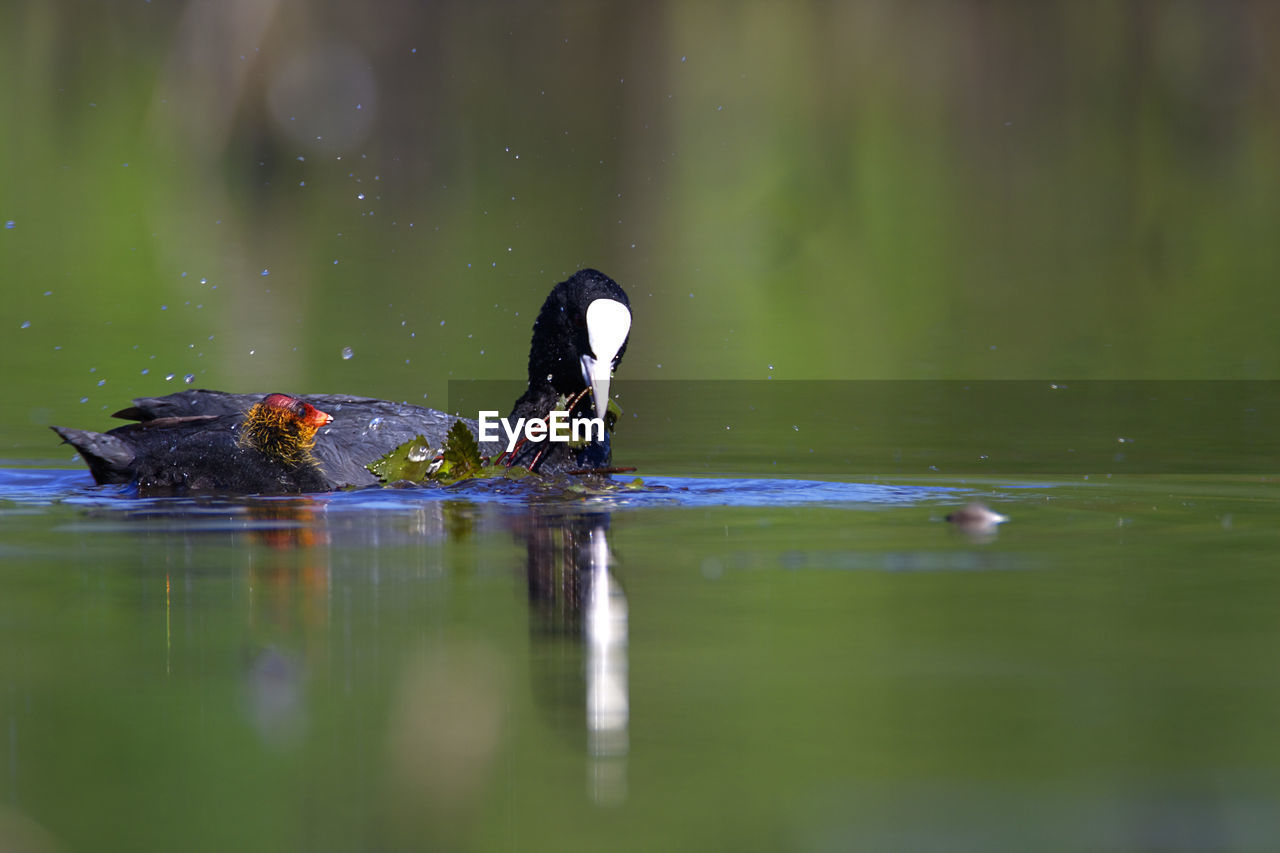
(606, 672)
(580, 611)
(289, 586)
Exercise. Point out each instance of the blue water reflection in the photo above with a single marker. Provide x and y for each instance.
(38, 485)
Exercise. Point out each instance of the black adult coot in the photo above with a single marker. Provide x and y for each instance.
(191, 439)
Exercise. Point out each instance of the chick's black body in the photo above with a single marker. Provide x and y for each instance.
(191, 439)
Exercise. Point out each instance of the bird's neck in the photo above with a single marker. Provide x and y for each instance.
(542, 397)
(279, 436)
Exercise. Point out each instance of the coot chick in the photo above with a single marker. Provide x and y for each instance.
(579, 337)
(265, 450)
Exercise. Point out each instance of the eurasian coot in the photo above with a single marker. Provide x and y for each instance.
(264, 450)
(192, 439)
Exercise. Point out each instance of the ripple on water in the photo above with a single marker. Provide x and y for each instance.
(43, 486)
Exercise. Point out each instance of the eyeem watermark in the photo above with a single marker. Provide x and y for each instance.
(557, 426)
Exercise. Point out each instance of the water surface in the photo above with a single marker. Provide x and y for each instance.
(745, 664)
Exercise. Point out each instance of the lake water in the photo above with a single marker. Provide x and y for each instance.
(722, 663)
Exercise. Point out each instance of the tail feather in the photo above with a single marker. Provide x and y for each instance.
(110, 460)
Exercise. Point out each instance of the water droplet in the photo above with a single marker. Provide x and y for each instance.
(168, 377)
(347, 352)
(26, 324)
(266, 272)
(360, 196)
(9, 225)
(145, 371)
(189, 378)
(84, 399)
(204, 281)
(101, 382)
(375, 423)
(418, 453)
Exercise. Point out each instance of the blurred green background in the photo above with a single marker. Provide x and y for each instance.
(239, 190)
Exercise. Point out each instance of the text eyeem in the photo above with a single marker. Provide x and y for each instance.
(557, 426)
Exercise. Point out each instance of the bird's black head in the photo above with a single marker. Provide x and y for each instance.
(579, 337)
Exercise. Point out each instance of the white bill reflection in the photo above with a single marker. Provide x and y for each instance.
(605, 635)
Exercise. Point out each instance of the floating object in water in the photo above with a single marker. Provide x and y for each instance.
(977, 517)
